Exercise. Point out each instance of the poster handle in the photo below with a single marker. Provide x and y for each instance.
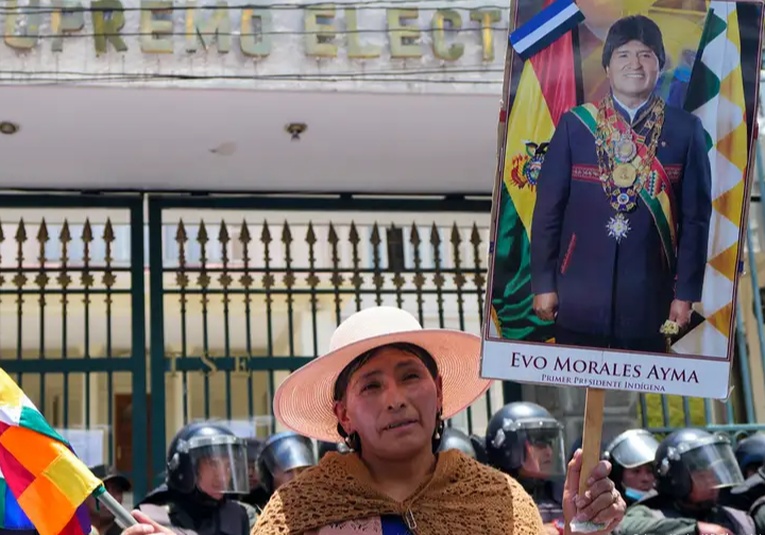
(592, 435)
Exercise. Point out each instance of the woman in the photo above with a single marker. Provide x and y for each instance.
(385, 388)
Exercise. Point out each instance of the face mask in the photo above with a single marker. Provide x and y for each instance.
(634, 494)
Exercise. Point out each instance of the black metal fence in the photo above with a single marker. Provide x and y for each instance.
(240, 291)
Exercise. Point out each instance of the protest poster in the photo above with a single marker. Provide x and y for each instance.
(622, 193)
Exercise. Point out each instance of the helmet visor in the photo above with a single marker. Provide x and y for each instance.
(220, 465)
(635, 450)
(713, 466)
(544, 452)
(288, 454)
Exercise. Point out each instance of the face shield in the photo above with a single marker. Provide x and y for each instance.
(712, 465)
(288, 454)
(220, 464)
(634, 449)
(544, 456)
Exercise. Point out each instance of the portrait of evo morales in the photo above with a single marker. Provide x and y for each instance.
(622, 215)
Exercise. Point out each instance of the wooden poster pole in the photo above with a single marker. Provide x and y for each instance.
(592, 433)
(591, 437)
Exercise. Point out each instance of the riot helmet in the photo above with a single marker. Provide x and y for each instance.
(454, 439)
(283, 456)
(693, 464)
(632, 455)
(207, 458)
(525, 440)
(325, 447)
(479, 446)
(750, 454)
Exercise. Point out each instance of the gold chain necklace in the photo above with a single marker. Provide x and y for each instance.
(623, 172)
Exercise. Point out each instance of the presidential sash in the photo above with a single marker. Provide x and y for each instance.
(656, 193)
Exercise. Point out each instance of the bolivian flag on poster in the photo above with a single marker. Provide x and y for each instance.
(546, 90)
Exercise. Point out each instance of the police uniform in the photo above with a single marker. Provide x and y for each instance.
(660, 515)
(548, 497)
(187, 516)
(750, 497)
(251, 511)
(757, 512)
(743, 496)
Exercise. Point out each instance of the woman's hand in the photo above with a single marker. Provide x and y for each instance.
(145, 526)
(601, 503)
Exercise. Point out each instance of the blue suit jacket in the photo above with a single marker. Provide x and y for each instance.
(620, 290)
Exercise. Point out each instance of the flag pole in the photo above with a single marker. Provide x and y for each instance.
(121, 515)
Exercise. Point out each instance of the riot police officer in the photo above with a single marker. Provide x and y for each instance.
(525, 441)
(750, 454)
(257, 496)
(283, 457)
(454, 439)
(750, 495)
(632, 455)
(691, 467)
(206, 464)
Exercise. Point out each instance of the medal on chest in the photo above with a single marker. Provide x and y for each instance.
(625, 149)
(624, 160)
(618, 227)
(624, 175)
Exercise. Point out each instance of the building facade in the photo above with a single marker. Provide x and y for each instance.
(197, 193)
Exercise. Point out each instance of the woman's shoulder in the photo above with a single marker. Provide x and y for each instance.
(502, 488)
(468, 466)
(526, 517)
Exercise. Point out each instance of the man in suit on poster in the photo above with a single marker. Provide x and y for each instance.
(621, 221)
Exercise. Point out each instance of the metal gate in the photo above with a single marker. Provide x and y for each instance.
(241, 291)
(72, 329)
(246, 289)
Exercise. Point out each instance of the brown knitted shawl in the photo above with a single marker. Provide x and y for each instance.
(462, 497)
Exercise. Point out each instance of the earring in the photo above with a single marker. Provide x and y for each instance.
(352, 441)
(439, 426)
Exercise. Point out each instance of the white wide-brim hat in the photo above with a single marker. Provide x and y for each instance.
(304, 401)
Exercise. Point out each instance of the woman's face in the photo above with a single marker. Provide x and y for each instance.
(391, 402)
